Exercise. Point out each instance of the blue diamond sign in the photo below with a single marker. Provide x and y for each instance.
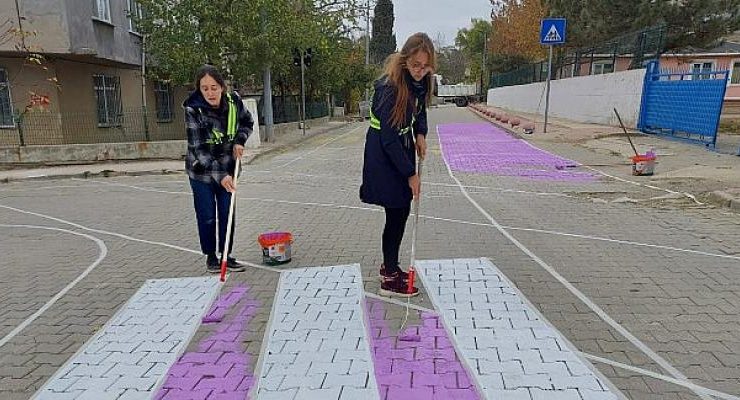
(552, 31)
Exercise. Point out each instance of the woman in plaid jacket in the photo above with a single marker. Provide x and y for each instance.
(218, 126)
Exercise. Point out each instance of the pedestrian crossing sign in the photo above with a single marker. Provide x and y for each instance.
(552, 31)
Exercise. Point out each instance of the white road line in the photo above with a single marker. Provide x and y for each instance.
(457, 221)
(319, 147)
(694, 387)
(126, 237)
(132, 353)
(580, 295)
(689, 195)
(102, 254)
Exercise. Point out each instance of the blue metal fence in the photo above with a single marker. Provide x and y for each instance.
(685, 105)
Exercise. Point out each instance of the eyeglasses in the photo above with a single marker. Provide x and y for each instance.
(417, 66)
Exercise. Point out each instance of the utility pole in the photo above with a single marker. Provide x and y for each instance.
(143, 87)
(266, 89)
(547, 97)
(303, 91)
(367, 44)
(483, 66)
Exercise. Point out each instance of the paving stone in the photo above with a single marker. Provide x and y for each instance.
(520, 363)
(327, 348)
(119, 367)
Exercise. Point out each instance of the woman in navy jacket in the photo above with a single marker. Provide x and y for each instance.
(397, 134)
(218, 126)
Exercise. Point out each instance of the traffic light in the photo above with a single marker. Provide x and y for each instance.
(307, 57)
(296, 57)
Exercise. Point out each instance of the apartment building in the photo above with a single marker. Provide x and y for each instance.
(91, 75)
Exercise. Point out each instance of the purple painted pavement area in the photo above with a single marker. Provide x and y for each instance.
(428, 370)
(485, 148)
(219, 369)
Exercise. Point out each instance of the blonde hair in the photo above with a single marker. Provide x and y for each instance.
(394, 70)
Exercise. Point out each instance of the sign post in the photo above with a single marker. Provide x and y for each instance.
(552, 32)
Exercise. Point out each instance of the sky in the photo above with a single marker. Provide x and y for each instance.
(435, 17)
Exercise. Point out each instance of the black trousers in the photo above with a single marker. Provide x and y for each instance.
(395, 224)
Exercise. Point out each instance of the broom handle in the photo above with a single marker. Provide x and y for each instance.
(230, 223)
(625, 132)
(416, 216)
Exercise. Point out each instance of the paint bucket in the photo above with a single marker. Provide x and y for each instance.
(275, 247)
(643, 164)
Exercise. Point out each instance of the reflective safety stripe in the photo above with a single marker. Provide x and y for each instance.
(375, 122)
(231, 124)
(216, 135)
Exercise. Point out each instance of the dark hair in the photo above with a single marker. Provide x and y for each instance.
(211, 71)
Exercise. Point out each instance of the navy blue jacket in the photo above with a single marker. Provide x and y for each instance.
(210, 158)
(390, 158)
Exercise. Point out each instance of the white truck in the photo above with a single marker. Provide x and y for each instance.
(460, 94)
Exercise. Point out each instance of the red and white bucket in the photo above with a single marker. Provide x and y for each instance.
(275, 247)
(643, 164)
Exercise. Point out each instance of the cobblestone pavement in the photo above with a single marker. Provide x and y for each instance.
(649, 293)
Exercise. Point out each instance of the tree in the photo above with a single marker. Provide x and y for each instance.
(451, 64)
(181, 35)
(383, 41)
(696, 23)
(473, 44)
(516, 28)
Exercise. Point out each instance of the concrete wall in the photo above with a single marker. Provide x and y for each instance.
(587, 99)
(48, 18)
(107, 40)
(170, 149)
(69, 27)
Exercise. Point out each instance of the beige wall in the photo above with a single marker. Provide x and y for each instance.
(72, 114)
(24, 81)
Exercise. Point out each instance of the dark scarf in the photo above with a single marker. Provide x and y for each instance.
(418, 88)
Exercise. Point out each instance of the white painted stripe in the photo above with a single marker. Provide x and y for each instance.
(642, 371)
(506, 344)
(689, 195)
(126, 237)
(588, 302)
(103, 251)
(316, 344)
(137, 346)
(328, 142)
(452, 220)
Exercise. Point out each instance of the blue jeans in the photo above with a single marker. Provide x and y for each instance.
(209, 199)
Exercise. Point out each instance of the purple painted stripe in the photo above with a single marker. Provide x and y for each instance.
(218, 310)
(218, 370)
(428, 369)
(485, 148)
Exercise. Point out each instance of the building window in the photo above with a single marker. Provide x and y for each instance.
(698, 67)
(134, 13)
(164, 100)
(103, 10)
(6, 105)
(735, 77)
(602, 67)
(108, 97)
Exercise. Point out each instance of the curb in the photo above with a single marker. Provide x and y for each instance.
(106, 173)
(719, 198)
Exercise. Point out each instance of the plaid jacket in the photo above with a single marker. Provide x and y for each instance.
(210, 153)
